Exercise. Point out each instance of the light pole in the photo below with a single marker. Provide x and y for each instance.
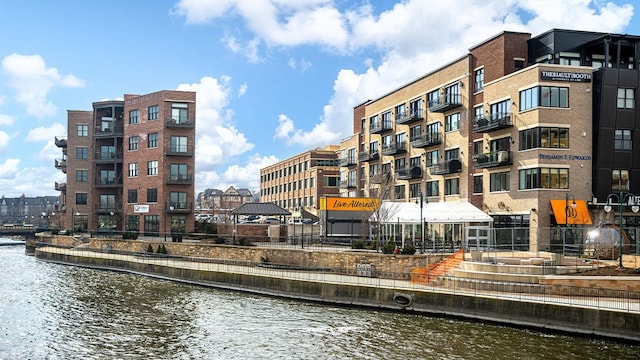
(569, 211)
(620, 198)
(421, 223)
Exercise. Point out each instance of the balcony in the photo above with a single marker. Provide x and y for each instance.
(445, 103)
(183, 150)
(348, 184)
(180, 179)
(493, 159)
(178, 207)
(110, 209)
(61, 164)
(109, 131)
(369, 155)
(61, 142)
(394, 148)
(61, 186)
(103, 157)
(348, 161)
(409, 173)
(380, 127)
(180, 123)
(409, 117)
(447, 167)
(107, 183)
(426, 140)
(381, 178)
(491, 122)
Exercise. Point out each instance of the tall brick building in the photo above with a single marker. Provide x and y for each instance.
(537, 132)
(130, 165)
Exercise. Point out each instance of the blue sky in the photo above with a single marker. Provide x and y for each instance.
(273, 77)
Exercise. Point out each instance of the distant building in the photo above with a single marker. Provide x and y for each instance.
(39, 210)
(297, 183)
(130, 165)
(218, 201)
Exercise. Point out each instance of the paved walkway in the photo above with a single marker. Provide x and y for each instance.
(617, 304)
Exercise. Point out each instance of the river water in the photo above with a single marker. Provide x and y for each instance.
(50, 311)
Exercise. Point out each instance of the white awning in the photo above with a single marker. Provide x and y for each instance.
(434, 212)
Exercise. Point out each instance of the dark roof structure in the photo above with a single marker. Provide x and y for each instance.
(257, 208)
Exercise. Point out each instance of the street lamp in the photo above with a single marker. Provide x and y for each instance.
(421, 222)
(620, 198)
(569, 211)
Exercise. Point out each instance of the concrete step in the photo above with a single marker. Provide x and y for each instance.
(494, 276)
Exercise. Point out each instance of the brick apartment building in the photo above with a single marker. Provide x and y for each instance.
(522, 128)
(297, 183)
(130, 165)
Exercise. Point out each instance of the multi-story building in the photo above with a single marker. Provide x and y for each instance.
(218, 201)
(298, 182)
(130, 165)
(537, 132)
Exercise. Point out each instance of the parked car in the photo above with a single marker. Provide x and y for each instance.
(270, 220)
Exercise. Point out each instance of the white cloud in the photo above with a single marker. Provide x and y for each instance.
(44, 133)
(247, 176)
(32, 80)
(300, 64)
(8, 169)
(243, 89)
(7, 119)
(218, 141)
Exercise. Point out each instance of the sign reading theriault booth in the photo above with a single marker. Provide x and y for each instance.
(564, 76)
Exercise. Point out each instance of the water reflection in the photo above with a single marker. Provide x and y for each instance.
(50, 311)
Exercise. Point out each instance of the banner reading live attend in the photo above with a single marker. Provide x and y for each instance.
(349, 204)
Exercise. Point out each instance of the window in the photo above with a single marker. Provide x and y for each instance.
(153, 112)
(620, 180)
(399, 192)
(107, 177)
(82, 175)
(401, 111)
(477, 184)
(386, 168)
(623, 140)
(518, 64)
(152, 225)
(547, 96)
(452, 186)
(543, 178)
(433, 98)
(331, 181)
(433, 131)
(414, 190)
(152, 195)
(415, 133)
(133, 143)
(501, 109)
(400, 164)
(152, 167)
(479, 79)
(452, 122)
(132, 196)
(626, 98)
(544, 137)
(374, 169)
(178, 172)
(452, 94)
(478, 112)
(433, 157)
(179, 113)
(414, 162)
(107, 201)
(133, 169)
(499, 181)
(179, 145)
(82, 153)
(415, 108)
(178, 200)
(134, 116)
(153, 140)
(433, 188)
(451, 154)
(82, 130)
(132, 223)
(477, 147)
(81, 198)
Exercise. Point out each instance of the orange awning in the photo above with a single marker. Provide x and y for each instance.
(577, 216)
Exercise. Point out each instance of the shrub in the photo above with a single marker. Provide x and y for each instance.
(218, 240)
(264, 259)
(357, 244)
(164, 249)
(388, 247)
(150, 249)
(409, 249)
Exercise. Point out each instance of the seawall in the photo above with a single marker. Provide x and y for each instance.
(393, 295)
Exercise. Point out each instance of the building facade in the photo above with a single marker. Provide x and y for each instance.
(297, 183)
(217, 201)
(130, 165)
(536, 132)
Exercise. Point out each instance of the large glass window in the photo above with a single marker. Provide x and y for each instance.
(452, 186)
(623, 140)
(133, 223)
(178, 200)
(547, 96)
(415, 132)
(179, 144)
(499, 181)
(107, 177)
(81, 198)
(433, 189)
(178, 172)
(620, 180)
(399, 192)
(479, 79)
(544, 137)
(544, 178)
(179, 112)
(626, 98)
(151, 225)
(433, 157)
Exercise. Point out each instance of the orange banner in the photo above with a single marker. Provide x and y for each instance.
(349, 204)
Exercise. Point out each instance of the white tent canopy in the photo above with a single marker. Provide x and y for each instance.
(435, 212)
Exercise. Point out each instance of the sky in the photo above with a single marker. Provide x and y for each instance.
(274, 78)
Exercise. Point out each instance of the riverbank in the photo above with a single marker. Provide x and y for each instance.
(543, 312)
